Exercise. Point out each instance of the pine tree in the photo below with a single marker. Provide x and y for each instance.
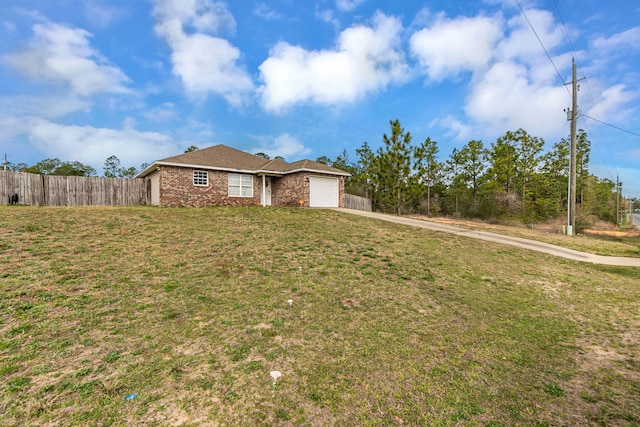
(427, 167)
(391, 170)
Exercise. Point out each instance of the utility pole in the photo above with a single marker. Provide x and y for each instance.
(5, 163)
(618, 219)
(573, 116)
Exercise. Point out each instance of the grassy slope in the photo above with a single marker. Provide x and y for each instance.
(388, 325)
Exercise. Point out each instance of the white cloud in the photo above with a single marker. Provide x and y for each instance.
(348, 5)
(609, 56)
(512, 84)
(610, 103)
(451, 46)
(328, 17)
(284, 145)
(456, 129)
(196, 132)
(101, 16)
(522, 44)
(129, 123)
(365, 60)
(505, 98)
(204, 16)
(205, 64)
(162, 113)
(49, 106)
(91, 145)
(629, 38)
(62, 55)
(263, 11)
(11, 126)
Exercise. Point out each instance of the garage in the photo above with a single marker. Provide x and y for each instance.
(323, 192)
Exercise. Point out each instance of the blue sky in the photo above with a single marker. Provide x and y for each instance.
(82, 80)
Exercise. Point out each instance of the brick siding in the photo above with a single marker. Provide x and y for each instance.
(289, 190)
(177, 189)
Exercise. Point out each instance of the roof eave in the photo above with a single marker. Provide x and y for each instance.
(339, 173)
(146, 171)
(155, 165)
(196, 166)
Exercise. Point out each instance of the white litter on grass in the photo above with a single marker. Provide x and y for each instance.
(275, 375)
(289, 301)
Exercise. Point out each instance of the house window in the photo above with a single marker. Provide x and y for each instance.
(240, 185)
(201, 178)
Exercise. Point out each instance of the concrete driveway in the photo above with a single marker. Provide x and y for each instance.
(502, 239)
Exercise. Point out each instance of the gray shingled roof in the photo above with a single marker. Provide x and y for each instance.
(227, 158)
(309, 164)
(219, 156)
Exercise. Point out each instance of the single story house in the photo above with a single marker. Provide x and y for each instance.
(224, 176)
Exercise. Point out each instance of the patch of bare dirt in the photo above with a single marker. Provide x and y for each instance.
(171, 412)
(6, 231)
(594, 357)
(611, 233)
(350, 303)
(260, 326)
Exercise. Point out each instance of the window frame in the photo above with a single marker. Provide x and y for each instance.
(244, 186)
(200, 178)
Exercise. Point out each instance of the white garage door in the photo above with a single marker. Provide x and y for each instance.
(323, 192)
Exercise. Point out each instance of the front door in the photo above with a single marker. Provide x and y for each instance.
(267, 191)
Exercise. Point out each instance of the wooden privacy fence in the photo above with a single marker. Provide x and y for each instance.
(28, 186)
(351, 201)
(50, 190)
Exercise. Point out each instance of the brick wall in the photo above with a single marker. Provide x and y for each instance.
(177, 189)
(289, 190)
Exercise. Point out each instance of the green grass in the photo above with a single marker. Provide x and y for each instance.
(388, 325)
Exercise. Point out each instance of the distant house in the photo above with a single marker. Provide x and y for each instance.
(224, 176)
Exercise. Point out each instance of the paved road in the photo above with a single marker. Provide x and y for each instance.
(502, 239)
(636, 219)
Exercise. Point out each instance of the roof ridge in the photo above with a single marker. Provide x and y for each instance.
(223, 157)
(276, 165)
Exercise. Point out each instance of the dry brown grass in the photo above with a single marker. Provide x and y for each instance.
(388, 325)
(604, 240)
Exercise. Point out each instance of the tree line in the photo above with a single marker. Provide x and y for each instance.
(513, 177)
(111, 169)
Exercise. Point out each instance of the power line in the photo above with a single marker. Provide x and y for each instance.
(567, 37)
(591, 98)
(610, 125)
(589, 93)
(599, 152)
(565, 32)
(542, 44)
